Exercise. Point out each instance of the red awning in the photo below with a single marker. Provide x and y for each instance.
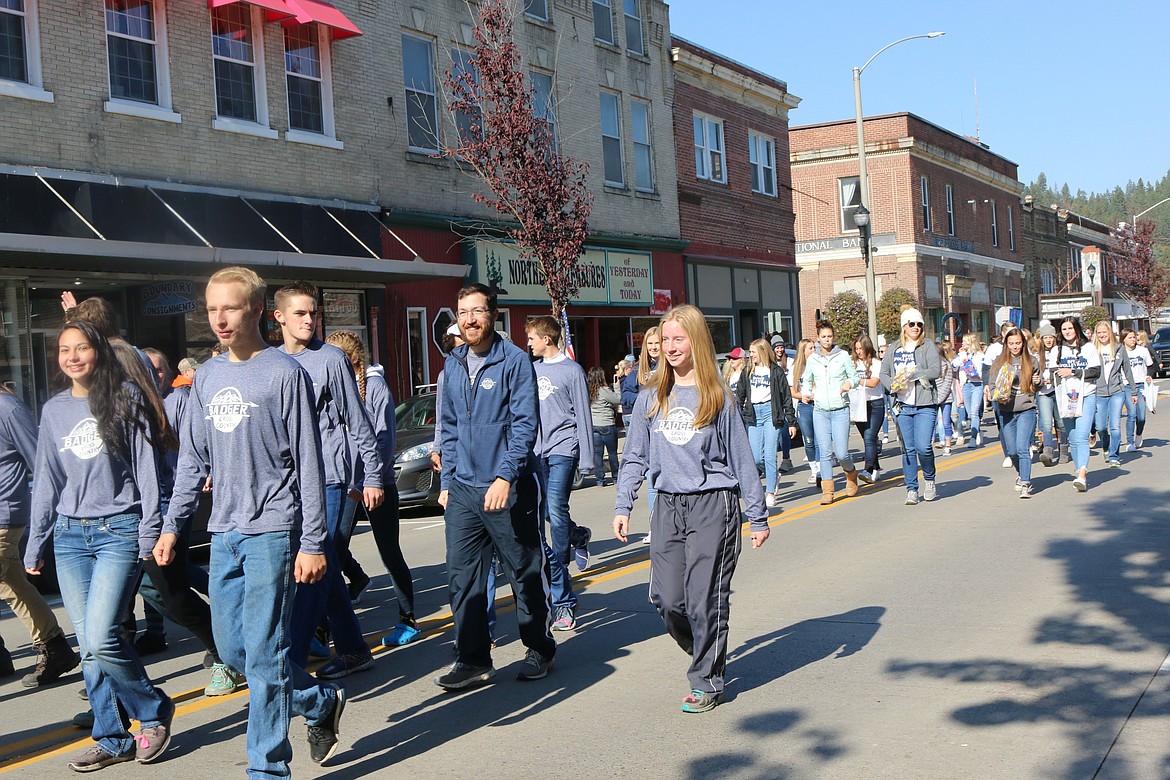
(274, 10)
(319, 11)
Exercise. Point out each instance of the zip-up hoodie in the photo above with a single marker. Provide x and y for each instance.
(489, 427)
(824, 375)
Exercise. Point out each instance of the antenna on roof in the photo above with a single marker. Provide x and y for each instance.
(975, 82)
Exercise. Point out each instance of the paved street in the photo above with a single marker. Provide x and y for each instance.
(976, 636)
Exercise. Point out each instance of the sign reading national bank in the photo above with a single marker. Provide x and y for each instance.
(842, 242)
(603, 276)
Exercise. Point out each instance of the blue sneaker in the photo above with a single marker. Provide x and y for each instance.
(318, 649)
(401, 634)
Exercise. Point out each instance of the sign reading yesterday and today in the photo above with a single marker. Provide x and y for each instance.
(603, 276)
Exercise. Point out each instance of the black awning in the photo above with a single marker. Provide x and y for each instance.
(311, 229)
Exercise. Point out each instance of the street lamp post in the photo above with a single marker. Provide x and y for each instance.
(1147, 211)
(863, 182)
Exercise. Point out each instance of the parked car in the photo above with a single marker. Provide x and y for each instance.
(418, 484)
(1160, 352)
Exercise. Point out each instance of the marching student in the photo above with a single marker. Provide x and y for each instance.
(252, 425)
(687, 438)
(869, 368)
(604, 406)
(564, 443)
(96, 491)
(733, 368)
(1113, 385)
(909, 372)
(384, 519)
(1052, 430)
(829, 375)
(1015, 378)
(948, 389)
(804, 410)
(765, 399)
(968, 366)
(648, 358)
(1143, 340)
(990, 355)
(1139, 365)
(1078, 368)
(341, 415)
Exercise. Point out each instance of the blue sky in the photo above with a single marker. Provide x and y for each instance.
(1077, 89)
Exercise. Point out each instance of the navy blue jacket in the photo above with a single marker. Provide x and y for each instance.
(630, 390)
(489, 429)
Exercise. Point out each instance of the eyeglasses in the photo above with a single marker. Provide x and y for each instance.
(914, 324)
(468, 314)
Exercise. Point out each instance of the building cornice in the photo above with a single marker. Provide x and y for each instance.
(692, 66)
(907, 253)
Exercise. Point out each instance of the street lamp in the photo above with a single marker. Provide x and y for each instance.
(863, 181)
(1151, 208)
(1092, 269)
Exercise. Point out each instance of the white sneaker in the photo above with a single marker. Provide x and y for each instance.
(646, 538)
(769, 500)
(865, 477)
(928, 490)
(946, 451)
(885, 439)
(911, 497)
(812, 478)
(1007, 463)
(978, 439)
(959, 441)
(1137, 442)
(876, 475)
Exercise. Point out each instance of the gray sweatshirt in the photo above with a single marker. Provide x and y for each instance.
(254, 425)
(605, 407)
(340, 407)
(18, 452)
(566, 424)
(77, 475)
(677, 458)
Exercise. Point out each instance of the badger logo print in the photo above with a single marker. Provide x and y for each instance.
(83, 441)
(227, 409)
(545, 388)
(679, 425)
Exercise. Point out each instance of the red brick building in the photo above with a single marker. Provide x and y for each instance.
(735, 195)
(945, 216)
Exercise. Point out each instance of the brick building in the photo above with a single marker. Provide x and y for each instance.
(735, 195)
(944, 218)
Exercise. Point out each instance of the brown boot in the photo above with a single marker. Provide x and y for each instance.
(54, 658)
(826, 491)
(851, 483)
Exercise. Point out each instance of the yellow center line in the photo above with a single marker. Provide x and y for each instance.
(192, 701)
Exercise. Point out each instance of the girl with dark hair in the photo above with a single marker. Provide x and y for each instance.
(1078, 367)
(604, 406)
(1015, 377)
(1055, 435)
(868, 370)
(829, 375)
(804, 411)
(97, 492)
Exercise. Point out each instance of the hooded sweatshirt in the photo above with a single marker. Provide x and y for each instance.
(825, 374)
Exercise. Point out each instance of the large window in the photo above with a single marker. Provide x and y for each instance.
(537, 8)
(466, 121)
(418, 69)
(643, 151)
(709, 148)
(762, 156)
(634, 42)
(603, 20)
(544, 103)
(611, 139)
(950, 210)
(13, 41)
(925, 182)
(850, 192)
(306, 78)
(234, 52)
(132, 41)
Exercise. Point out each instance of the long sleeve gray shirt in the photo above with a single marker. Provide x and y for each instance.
(605, 407)
(678, 458)
(18, 452)
(254, 425)
(566, 424)
(77, 475)
(341, 413)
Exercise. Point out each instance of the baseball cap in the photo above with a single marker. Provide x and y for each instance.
(737, 354)
(630, 359)
(188, 364)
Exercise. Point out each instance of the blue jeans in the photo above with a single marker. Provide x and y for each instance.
(764, 438)
(1135, 413)
(1078, 432)
(251, 611)
(804, 419)
(832, 432)
(604, 439)
(329, 597)
(916, 429)
(973, 404)
(1046, 411)
(98, 568)
(869, 433)
(1019, 428)
(556, 481)
(785, 440)
(945, 429)
(1108, 419)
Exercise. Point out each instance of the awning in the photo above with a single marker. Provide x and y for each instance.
(274, 10)
(321, 12)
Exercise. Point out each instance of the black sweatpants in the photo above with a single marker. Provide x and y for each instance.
(694, 545)
(514, 533)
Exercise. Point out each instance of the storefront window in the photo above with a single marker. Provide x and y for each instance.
(16, 372)
(343, 311)
(417, 345)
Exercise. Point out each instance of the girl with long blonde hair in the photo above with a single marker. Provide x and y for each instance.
(968, 364)
(648, 358)
(1114, 383)
(690, 440)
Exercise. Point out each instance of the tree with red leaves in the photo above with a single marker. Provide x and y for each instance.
(505, 137)
(1139, 275)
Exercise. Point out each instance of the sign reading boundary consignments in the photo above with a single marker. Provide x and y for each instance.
(603, 276)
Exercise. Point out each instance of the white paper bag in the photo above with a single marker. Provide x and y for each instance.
(1151, 391)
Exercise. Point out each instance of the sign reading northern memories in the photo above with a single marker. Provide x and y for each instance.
(603, 276)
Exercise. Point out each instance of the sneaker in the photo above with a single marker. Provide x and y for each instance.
(646, 538)
(946, 451)
(223, 681)
(344, 665)
(1137, 442)
(700, 701)
(1081, 484)
(580, 544)
(769, 500)
(911, 498)
(83, 720)
(885, 439)
(812, 478)
(83, 694)
(1019, 484)
(323, 737)
(1007, 463)
(1026, 490)
(1115, 464)
(357, 585)
(150, 644)
(960, 441)
(401, 634)
(535, 667)
(565, 621)
(928, 490)
(94, 758)
(865, 477)
(786, 466)
(464, 675)
(978, 439)
(150, 743)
